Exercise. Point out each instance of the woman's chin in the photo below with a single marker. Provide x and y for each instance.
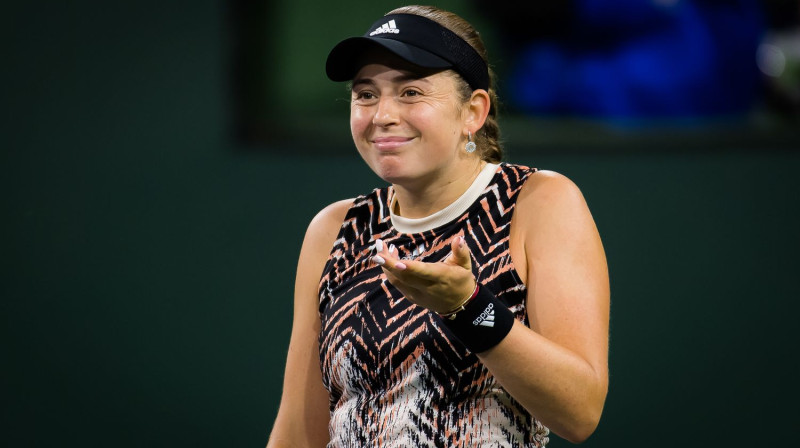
(391, 171)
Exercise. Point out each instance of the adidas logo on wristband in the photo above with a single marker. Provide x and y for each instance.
(486, 318)
(495, 319)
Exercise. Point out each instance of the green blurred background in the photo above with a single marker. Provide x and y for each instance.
(148, 250)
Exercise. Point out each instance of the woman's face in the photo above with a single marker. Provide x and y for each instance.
(408, 127)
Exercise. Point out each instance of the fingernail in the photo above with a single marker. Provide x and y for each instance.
(379, 245)
(392, 248)
(378, 260)
(461, 241)
(400, 266)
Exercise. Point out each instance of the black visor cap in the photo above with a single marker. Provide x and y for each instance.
(415, 39)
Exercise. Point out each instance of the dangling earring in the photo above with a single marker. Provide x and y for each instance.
(471, 146)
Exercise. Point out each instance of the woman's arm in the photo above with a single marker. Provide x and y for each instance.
(302, 419)
(558, 368)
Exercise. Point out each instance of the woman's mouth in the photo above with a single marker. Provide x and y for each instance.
(390, 143)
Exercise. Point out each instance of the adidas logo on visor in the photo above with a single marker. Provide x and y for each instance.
(388, 27)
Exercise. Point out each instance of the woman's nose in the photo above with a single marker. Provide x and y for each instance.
(385, 112)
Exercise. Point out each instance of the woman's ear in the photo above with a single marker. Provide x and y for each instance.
(477, 110)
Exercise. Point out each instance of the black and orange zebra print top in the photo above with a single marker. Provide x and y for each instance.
(395, 374)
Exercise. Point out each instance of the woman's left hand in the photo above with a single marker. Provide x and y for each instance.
(441, 286)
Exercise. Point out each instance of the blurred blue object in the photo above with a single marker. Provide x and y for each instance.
(644, 59)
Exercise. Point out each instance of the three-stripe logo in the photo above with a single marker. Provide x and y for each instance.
(486, 318)
(388, 27)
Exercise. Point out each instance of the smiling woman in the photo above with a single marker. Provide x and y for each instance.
(466, 304)
(408, 127)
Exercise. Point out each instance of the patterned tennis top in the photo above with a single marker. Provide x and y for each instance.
(395, 374)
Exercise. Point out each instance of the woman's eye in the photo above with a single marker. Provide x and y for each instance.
(364, 95)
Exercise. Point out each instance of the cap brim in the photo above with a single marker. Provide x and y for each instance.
(345, 60)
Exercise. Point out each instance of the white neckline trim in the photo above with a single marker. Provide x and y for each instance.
(449, 213)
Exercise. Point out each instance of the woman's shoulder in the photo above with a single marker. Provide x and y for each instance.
(538, 179)
(320, 236)
(330, 217)
(333, 215)
(550, 196)
(552, 179)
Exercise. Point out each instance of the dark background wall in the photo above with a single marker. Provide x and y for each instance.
(147, 258)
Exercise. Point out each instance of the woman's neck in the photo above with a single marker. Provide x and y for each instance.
(424, 199)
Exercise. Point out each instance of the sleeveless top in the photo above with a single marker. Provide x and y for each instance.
(395, 374)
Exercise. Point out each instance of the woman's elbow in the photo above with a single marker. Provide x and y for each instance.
(584, 422)
(579, 432)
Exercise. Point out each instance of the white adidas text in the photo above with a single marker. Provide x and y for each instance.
(486, 318)
(388, 27)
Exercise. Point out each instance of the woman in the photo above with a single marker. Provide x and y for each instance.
(465, 305)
